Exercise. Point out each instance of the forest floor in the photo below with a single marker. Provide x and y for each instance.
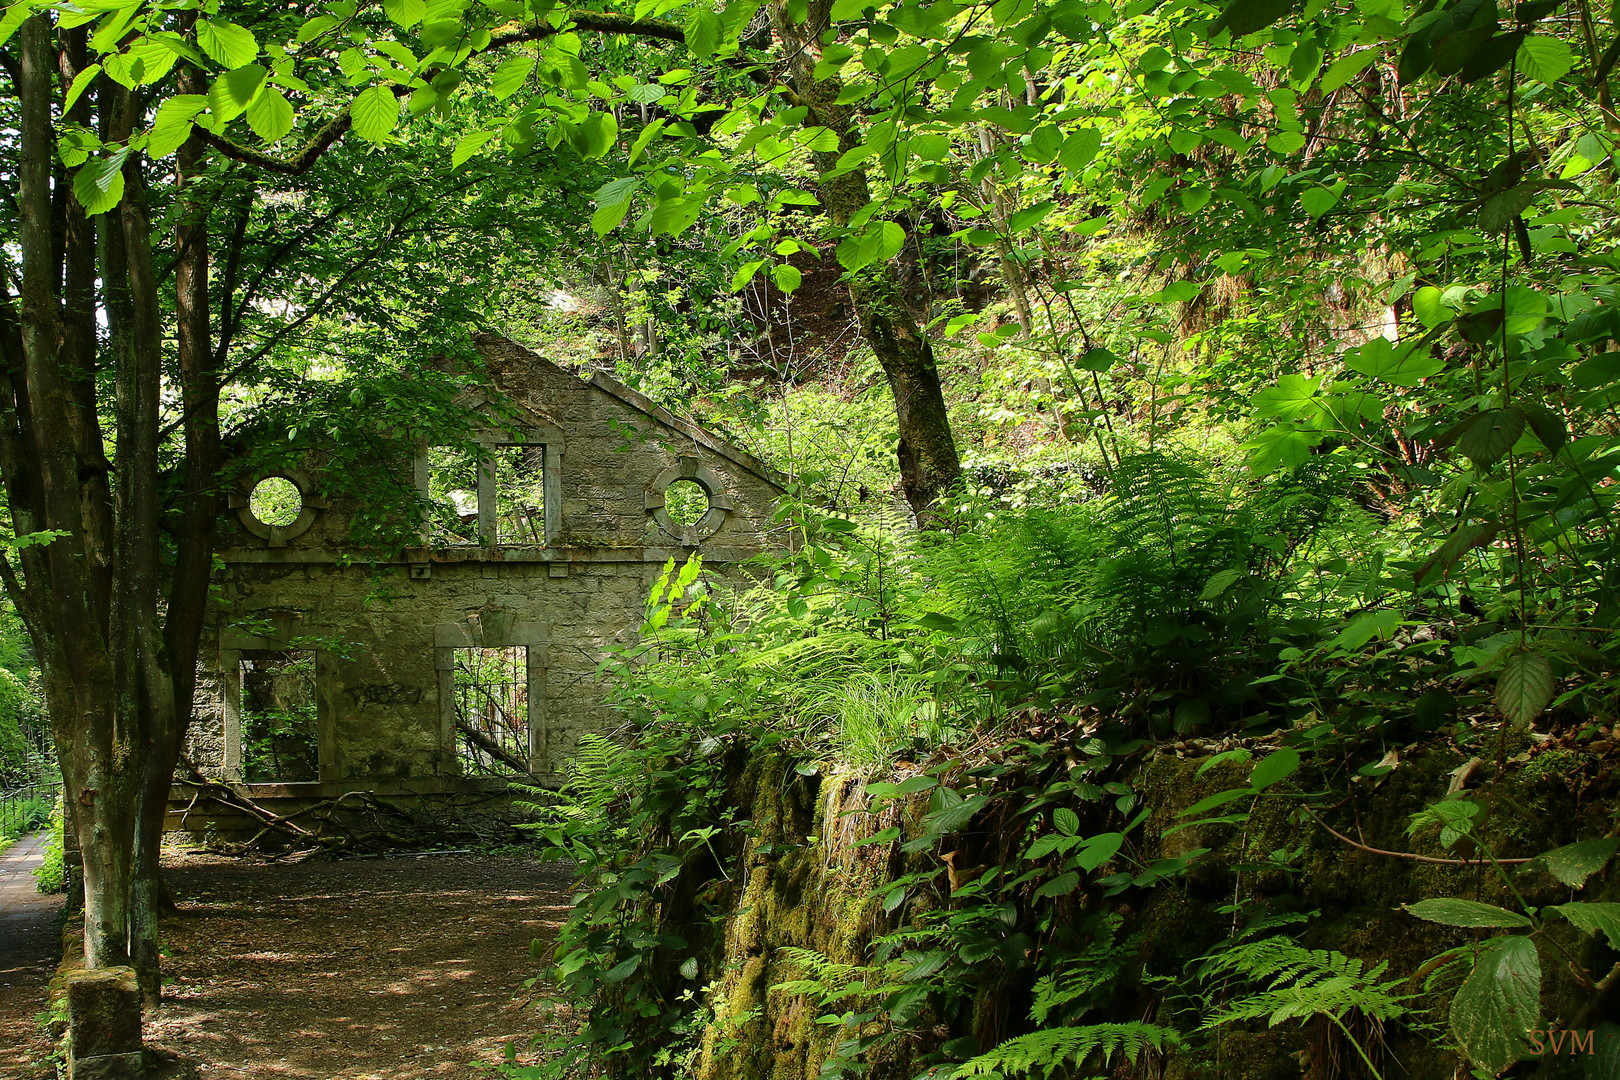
(404, 968)
(399, 968)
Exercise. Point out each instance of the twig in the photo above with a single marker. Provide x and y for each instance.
(1408, 854)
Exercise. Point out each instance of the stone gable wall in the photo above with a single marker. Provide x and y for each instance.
(383, 632)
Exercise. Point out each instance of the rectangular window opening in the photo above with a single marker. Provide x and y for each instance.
(280, 741)
(492, 710)
(453, 492)
(520, 496)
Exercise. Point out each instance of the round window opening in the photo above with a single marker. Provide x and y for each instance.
(686, 502)
(276, 501)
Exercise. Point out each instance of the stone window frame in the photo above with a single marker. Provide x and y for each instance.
(492, 630)
(233, 642)
(545, 436)
(240, 499)
(689, 468)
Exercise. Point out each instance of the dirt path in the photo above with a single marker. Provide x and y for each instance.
(383, 969)
(29, 950)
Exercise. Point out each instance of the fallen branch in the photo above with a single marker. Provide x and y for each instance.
(493, 748)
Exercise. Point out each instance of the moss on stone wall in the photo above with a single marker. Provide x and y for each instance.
(806, 881)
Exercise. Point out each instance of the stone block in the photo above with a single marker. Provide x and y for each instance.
(104, 1024)
(108, 1067)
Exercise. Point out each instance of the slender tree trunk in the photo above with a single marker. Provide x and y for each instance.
(929, 464)
(97, 732)
(188, 594)
(1012, 274)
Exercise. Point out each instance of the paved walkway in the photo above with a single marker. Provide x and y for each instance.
(29, 951)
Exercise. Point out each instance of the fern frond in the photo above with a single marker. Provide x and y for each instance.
(1302, 983)
(1054, 1051)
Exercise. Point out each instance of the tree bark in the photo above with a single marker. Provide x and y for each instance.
(929, 463)
(188, 592)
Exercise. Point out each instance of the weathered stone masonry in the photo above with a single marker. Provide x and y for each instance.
(384, 635)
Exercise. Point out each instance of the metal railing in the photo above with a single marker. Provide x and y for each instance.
(28, 806)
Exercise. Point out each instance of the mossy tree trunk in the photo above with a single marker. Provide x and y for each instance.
(118, 667)
(929, 463)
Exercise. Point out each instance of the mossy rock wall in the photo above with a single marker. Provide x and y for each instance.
(806, 881)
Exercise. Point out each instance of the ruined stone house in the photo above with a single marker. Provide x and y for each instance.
(475, 656)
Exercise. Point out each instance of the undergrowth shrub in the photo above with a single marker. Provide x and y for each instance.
(1024, 663)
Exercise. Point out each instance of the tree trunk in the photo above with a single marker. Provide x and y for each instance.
(188, 594)
(929, 464)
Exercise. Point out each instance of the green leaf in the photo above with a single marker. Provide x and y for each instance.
(1594, 918)
(674, 216)
(953, 817)
(1027, 218)
(16, 14)
(1098, 850)
(1365, 627)
(1285, 142)
(229, 45)
(1279, 765)
(745, 273)
(1079, 148)
(1220, 582)
(1574, 863)
(1281, 446)
(1491, 435)
(1429, 307)
(1293, 397)
(1500, 209)
(375, 112)
(1458, 544)
(1604, 1062)
(468, 145)
(1220, 798)
(270, 115)
(231, 92)
(1547, 425)
(1066, 821)
(99, 183)
(1097, 359)
(787, 277)
(1062, 885)
(1318, 200)
(622, 970)
(689, 969)
(1248, 16)
(1451, 912)
(1498, 1003)
(1406, 364)
(405, 13)
(510, 76)
(1346, 68)
(1525, 686)
(171, 126)
(595, 135)
(891, 238)
(1546, 59)
(80, 81)
(703, 31)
